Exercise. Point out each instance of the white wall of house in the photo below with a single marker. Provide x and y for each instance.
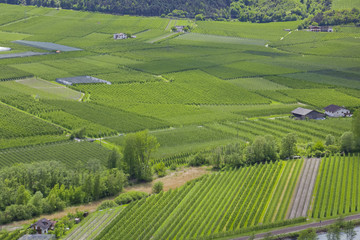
(338, 113)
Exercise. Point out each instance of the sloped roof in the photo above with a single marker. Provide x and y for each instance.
(333, 108)
(302, 111)
(44, 223)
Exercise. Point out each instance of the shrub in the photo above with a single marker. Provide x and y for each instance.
(128, 197)
(160, 169)
(107, 204)
(158, 187)
(173, 167)
(197, 160)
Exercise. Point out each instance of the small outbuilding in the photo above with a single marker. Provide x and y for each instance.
(120, 36)
(180, 28)
(320, 29)
(336, 111)
(303, 113)
(43, 226)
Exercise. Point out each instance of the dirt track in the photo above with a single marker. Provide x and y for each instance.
(302, 198)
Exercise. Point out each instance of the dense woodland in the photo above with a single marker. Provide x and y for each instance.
(260, 11)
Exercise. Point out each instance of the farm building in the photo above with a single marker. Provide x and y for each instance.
(43, 226)
(320, 29)
(303, 113)
(80, 80)
(179, 28)
(336, 111)
(120, 36)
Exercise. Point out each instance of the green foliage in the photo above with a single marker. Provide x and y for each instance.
(336, 188)
(58, 188)
(115, 160)
(262, 149)
(137, 153)
(356, 127)
(72, 154)
(329, 140)
(208, 208)
(157, 187)
(129, 197)
(288, 145)
(16, 124)
(160, 169)
(107, 204)
(347, 142)
(229, 156)
(309, 234)
(197, 160)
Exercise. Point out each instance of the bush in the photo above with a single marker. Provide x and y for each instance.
(160, 169)
(173, 167)
(197, 160)
(157, 187)
(107, 204)
(129, 197)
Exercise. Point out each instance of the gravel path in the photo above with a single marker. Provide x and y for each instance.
(300, 228)
(302, 197)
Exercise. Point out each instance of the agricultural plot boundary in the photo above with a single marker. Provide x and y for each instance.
(47, 46)
(23, 54)
(302, 197)
(91, 227)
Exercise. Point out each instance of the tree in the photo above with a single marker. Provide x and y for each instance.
(114, 160)
(262, 149)
(288, 146)
(157, 187)
(356, 127)
(160, 169)
(96, 192)
(22, 195)
(308, 234)
(137, 153)
(37, 202)
(115, 181)
(349, 231)
(347, 142)
(333, 232)
(173, 29)
(199, 17)
(329, 140)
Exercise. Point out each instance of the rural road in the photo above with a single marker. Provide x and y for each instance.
(300, 228)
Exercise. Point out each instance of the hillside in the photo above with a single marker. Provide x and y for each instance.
(243, 10)
(134, 109)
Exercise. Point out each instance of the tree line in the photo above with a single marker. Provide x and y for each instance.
(28, 190)
(266, 148)
(260, 11)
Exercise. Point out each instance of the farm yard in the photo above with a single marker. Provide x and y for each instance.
(222, 84)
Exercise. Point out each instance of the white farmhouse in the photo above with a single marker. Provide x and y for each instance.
(336, 111)
(120, 36)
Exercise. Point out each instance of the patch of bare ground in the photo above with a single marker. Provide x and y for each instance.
(171, 181)
(301, 199)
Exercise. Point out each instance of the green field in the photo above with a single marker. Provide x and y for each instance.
(211, 206)
(225, 82)
(72, 154)
(337, 191)
(209, 86)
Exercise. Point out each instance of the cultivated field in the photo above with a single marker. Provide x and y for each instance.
(92, 226)
(336, 191)
(215, 205)
(304, 190)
